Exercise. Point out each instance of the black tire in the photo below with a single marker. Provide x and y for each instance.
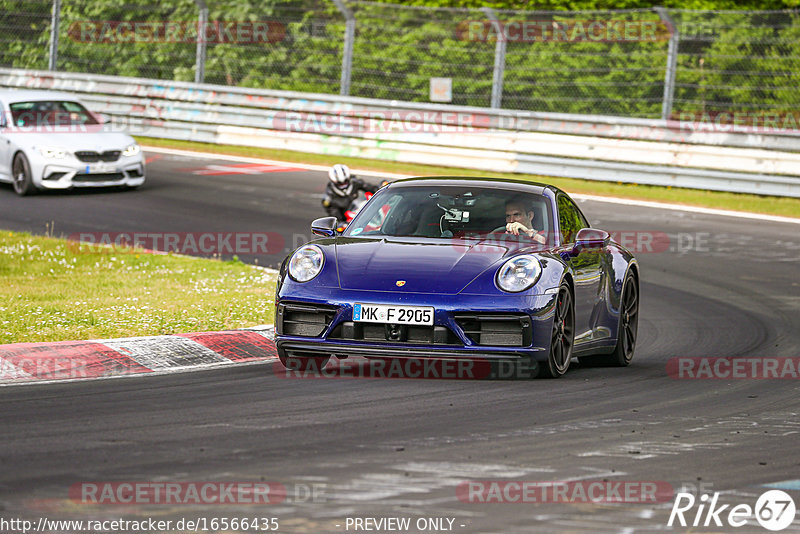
(304, 364)
(562, 339)
(628, 328)
(21, 176)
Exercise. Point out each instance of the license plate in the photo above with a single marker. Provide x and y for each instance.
(382, 313)
(99, 168)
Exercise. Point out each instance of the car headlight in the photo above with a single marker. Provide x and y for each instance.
(518, 274)
(53, 152)
(306, 263)
(131, 150)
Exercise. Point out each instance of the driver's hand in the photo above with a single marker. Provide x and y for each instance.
(517, 227)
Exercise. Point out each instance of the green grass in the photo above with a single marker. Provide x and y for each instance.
(52, 290)
(788, 207)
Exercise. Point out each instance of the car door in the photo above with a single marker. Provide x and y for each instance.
(5, 143)
(586, 266)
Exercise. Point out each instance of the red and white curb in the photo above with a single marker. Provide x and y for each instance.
(73, 360)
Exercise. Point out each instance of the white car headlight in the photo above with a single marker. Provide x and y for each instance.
(518, 274)
(53, 152)
(131, 150)
(306, 263)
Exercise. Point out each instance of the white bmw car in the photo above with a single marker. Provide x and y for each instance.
(50, 140)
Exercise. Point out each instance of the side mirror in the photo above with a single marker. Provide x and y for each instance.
(325, 227)
(591, 238)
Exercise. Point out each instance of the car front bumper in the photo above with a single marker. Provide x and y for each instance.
(70, 172)
(507, 327)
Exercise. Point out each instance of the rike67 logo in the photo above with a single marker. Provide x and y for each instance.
(774, 510)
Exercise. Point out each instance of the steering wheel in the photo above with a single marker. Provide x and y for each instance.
(499, 230)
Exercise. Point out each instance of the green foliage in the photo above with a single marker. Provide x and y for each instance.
(739, 62)
(727, 61)
(24, 33)
(583, 5)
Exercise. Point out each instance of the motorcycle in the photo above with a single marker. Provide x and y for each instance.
(351, 212)
(356, 205)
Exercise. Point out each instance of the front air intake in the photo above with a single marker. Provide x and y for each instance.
(394, 333)
(497, 330)
(301, 319)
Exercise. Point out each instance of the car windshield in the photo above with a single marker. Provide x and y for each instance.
(50, 113)
(450, 212)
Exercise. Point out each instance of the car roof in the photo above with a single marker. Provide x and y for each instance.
(514, 184)
(28, 95)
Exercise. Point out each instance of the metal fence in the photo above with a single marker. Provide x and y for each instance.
(657, 63)
(588, 147)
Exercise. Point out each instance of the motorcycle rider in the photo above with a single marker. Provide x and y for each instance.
(343, 187)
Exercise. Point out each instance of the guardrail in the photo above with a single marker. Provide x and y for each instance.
(643, 151)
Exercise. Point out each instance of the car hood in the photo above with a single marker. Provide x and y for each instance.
(98, 141)
(418, 267)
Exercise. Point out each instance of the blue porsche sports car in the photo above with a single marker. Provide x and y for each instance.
(458, 268)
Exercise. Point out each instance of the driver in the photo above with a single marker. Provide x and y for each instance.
(342, 189)
(519, 219)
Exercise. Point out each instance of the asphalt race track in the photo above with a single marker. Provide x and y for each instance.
(379, 448)
(175, 200)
